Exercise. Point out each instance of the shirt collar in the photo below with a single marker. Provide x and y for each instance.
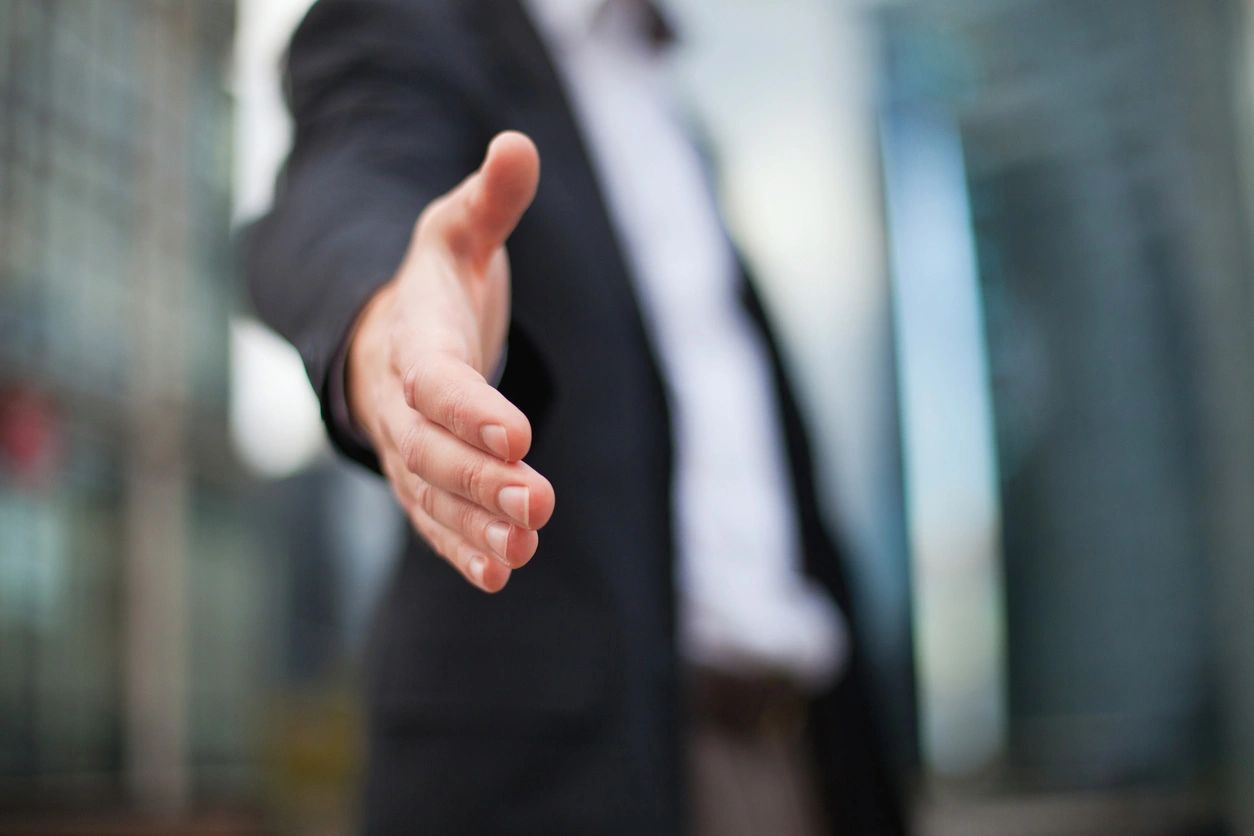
(567, 21)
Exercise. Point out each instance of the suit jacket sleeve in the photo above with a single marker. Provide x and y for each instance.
(384, 121)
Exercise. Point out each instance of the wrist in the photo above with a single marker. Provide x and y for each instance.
(366, 358)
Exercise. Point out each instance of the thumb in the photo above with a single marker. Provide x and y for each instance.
(478, 215)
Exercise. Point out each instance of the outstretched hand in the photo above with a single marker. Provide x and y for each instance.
(449, 443)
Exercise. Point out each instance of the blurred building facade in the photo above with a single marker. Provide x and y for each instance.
(1087, 159)
(131, 593)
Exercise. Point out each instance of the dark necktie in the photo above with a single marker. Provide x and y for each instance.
(657, 27)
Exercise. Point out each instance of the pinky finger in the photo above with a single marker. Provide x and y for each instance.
(488, 575)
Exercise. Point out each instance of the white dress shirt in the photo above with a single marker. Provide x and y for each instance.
(745, 604)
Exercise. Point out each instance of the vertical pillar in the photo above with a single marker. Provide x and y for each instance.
(157, 481)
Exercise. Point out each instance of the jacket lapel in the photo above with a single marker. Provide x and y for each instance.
(594, 279)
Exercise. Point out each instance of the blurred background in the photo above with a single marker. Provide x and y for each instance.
(1008, 243)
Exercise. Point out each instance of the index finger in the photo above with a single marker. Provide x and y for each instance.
(454, 395)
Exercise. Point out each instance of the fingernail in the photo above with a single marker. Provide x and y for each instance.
(515, 501)
(497, 535)
(495, 439)
(477, 564)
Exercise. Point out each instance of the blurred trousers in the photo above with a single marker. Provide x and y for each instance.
(750, 770)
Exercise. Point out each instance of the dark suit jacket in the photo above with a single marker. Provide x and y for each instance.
(555, 707)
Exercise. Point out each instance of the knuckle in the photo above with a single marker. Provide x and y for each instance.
(468, 518)
(424, 498)
(400, 357)
(470, 479)
(414, 380)
(455, 404)
(413, 450)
